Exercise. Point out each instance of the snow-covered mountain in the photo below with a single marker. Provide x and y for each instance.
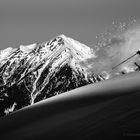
(36, 72)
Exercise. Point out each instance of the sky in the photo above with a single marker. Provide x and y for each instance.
(30, 21)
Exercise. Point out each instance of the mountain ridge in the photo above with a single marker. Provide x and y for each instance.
(38, 71)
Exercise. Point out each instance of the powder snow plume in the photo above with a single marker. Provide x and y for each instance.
(114, 47)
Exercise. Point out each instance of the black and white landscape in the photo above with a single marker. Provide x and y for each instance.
(69, 69)
(105, 105)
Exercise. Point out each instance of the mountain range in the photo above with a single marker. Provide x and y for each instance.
(29, 74)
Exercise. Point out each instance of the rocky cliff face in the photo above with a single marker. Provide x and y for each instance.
(36, 72)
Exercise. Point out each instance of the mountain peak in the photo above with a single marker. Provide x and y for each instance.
(35, 72)
(85, 51)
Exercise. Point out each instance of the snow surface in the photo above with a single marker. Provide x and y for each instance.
(6, 52)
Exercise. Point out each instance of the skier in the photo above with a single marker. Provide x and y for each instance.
(137, 53)
(138, 66)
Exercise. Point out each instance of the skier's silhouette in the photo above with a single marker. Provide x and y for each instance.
(138, 66)
(137, 53)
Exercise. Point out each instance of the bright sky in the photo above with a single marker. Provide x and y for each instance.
(30, 21)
